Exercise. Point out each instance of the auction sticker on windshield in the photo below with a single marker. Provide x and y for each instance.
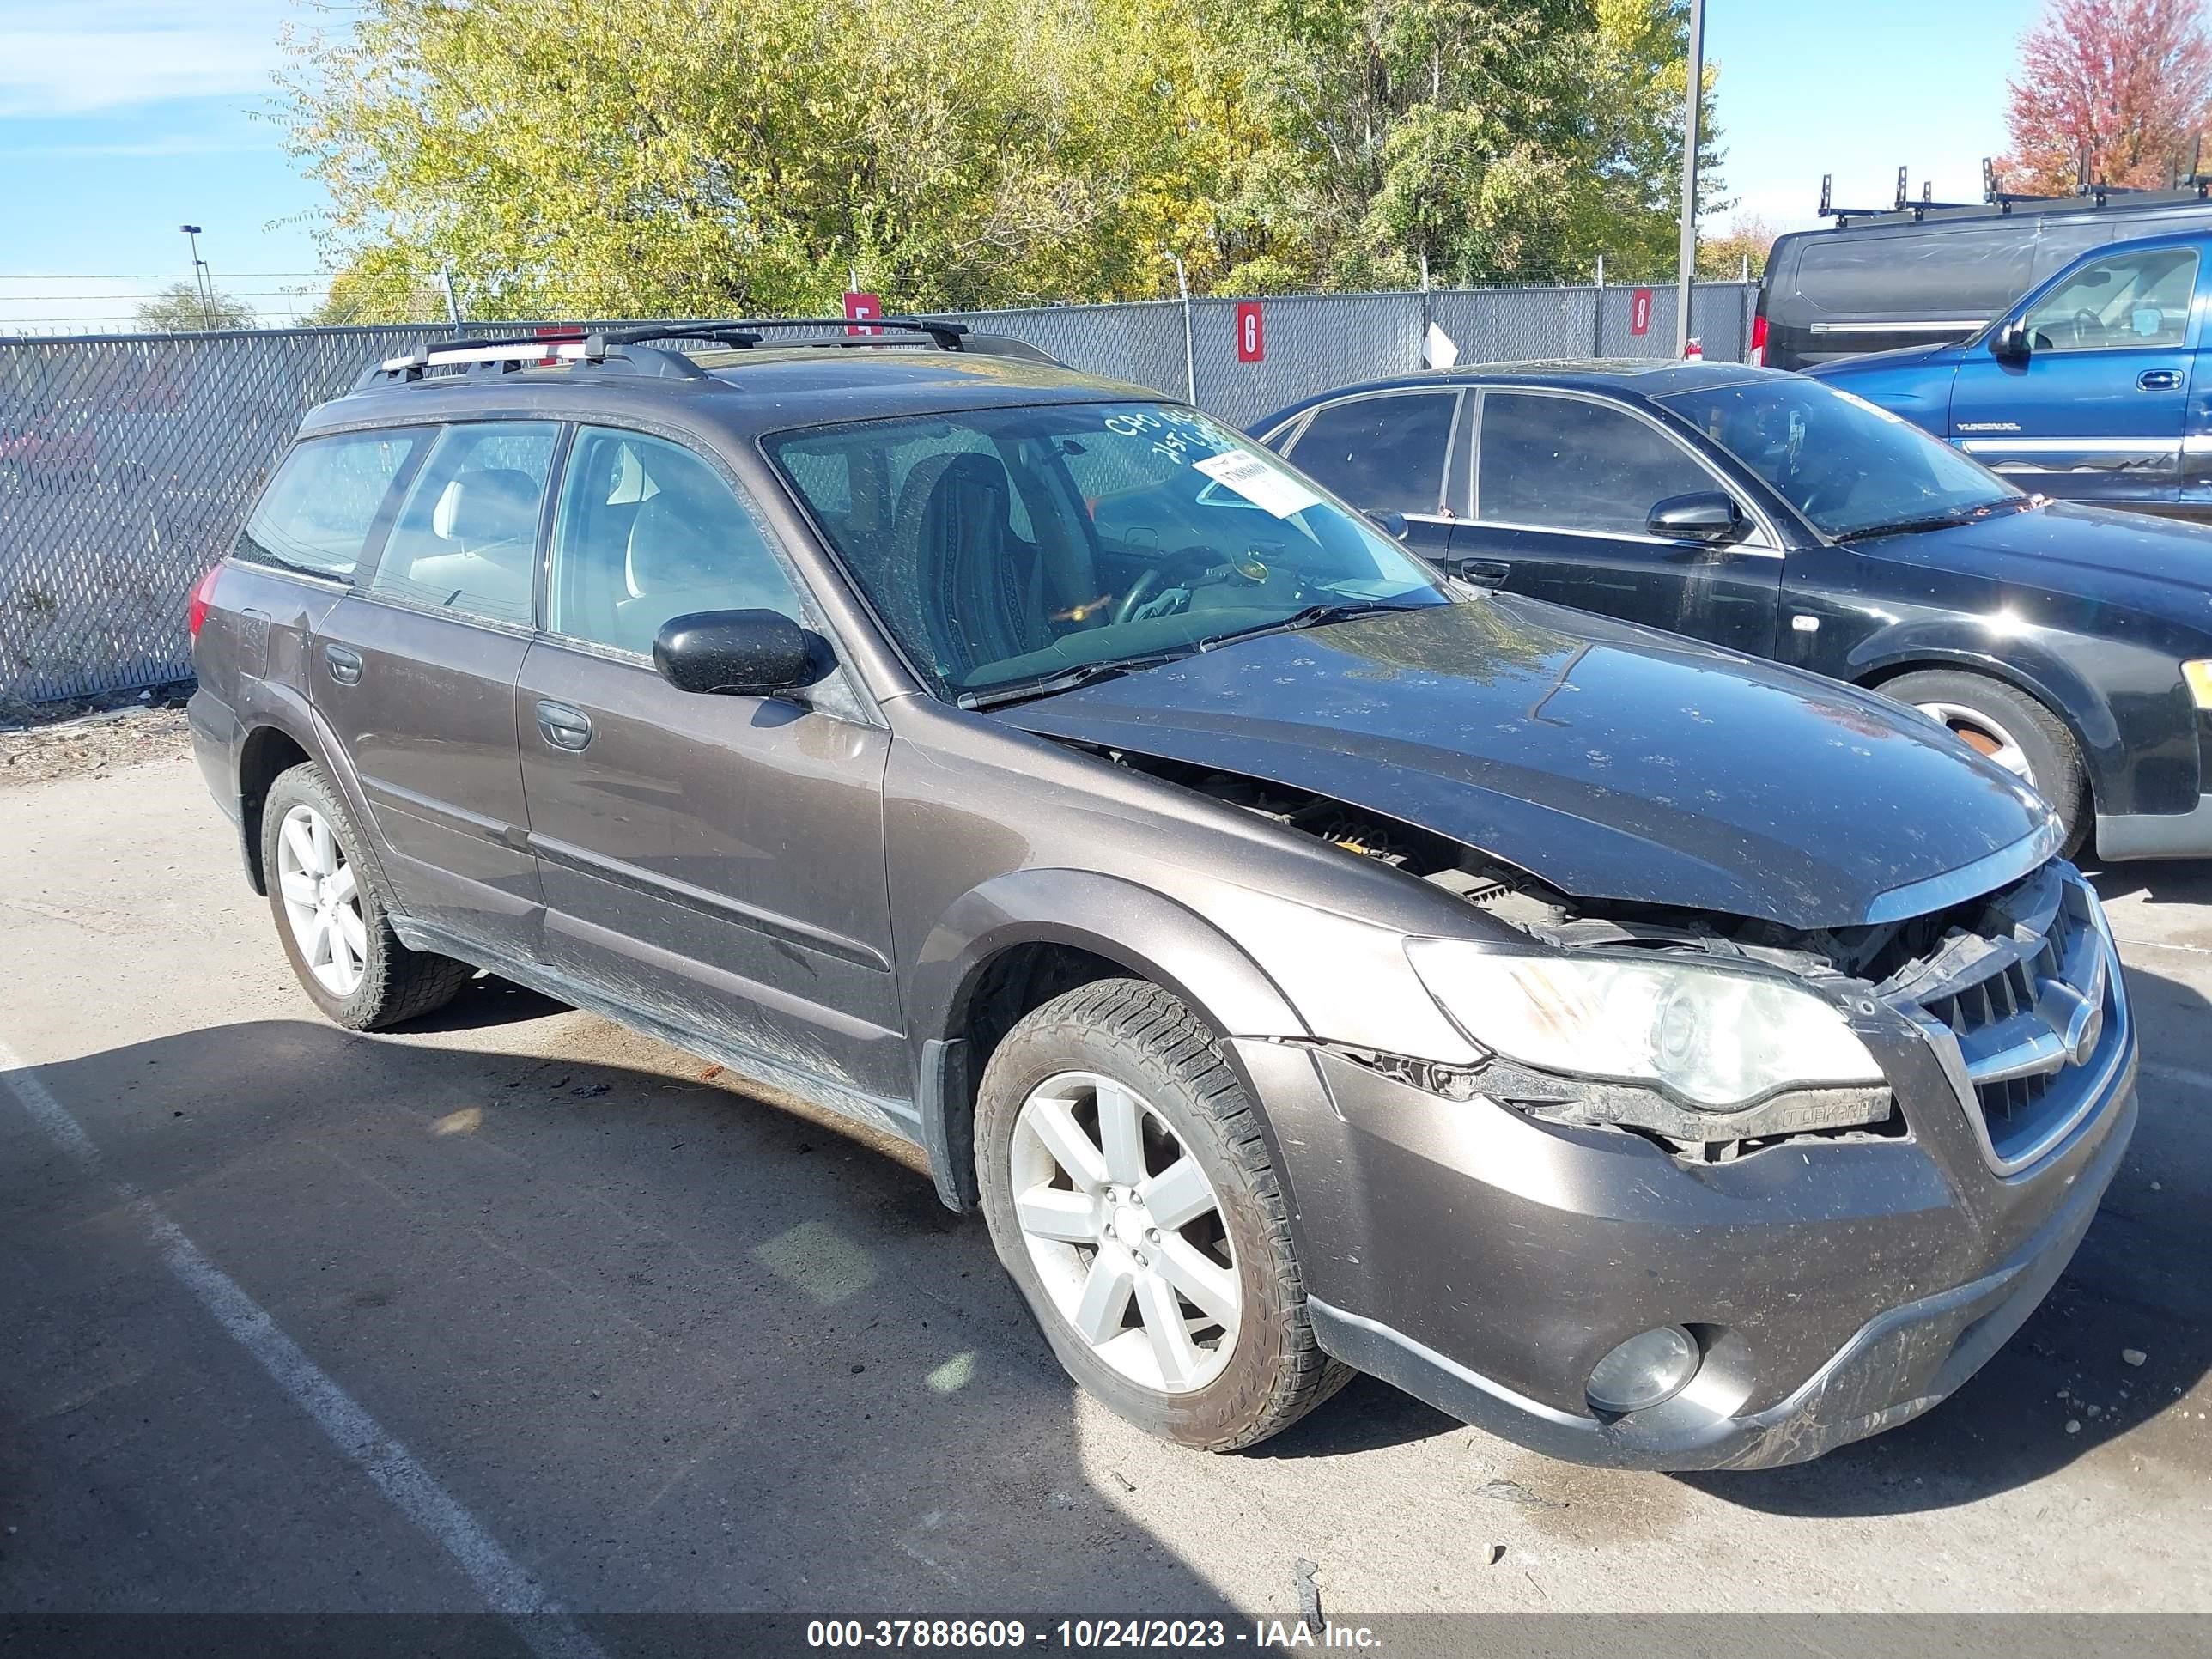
(1258, 482)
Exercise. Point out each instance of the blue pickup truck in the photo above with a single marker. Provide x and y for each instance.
(2090, 388)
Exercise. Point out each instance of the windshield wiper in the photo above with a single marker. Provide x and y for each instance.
(1083, 673)
(1313, 616)
(1940, 520)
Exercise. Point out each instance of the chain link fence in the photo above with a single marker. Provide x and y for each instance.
(126, 463)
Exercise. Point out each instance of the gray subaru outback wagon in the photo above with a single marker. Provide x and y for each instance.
(1658, 1057)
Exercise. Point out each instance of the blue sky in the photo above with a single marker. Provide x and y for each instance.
(121, 120)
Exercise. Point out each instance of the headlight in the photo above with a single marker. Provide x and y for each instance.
(2199, 675)
(1714, 1038)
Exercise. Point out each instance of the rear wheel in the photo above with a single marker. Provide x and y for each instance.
(2011, 728)
(1130, 1194)
(332, 919)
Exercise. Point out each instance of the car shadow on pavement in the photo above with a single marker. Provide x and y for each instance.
(484, 1002)
(2172, 881)
(677, 1350)
(2124, 1335)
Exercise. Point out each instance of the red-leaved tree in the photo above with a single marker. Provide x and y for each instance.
(2124, 80)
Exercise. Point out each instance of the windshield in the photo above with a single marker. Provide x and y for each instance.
(1006, 546)
(1849, 467)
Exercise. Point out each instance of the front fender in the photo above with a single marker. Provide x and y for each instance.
(2028, 666)
(1153, 937)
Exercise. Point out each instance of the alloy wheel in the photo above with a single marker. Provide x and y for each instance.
(1126, 1232)
(322, 901)
(1979, 731)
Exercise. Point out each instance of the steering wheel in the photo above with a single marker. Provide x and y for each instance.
(2088, 327)
(1149, 581)
(1140, 590)
(1833, 490)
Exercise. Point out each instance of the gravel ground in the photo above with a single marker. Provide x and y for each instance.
(44, 745)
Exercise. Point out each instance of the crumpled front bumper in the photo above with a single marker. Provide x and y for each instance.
(1893, 1368)
(1485, 1261)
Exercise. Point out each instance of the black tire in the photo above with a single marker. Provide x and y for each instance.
(397, 983)
(2054, 761)
(1145, 1038)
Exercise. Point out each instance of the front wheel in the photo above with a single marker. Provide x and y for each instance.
(2011, 728)
(1130, 1194)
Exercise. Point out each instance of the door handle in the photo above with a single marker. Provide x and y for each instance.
(2158, 379)
(564, 727)
(1483, 573)
(343, 663)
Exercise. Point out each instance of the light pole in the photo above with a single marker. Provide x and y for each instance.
(203, 279)
(1686, 265)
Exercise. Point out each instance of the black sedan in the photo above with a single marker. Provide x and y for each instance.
(1787, 519)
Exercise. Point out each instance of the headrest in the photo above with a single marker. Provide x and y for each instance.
(672, 547)
(972, 489)
(489, 504)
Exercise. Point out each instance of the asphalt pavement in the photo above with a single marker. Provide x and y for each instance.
(517, 1311)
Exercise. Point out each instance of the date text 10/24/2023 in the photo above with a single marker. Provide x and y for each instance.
(1086, 1635)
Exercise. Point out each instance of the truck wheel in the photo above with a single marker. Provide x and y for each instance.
(2014, 730)
(332, 920)
(1130, 1194)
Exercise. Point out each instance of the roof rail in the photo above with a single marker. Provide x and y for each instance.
(746, 330)
(627, 348)
(506, 356)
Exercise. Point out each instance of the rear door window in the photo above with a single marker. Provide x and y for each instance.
(317, 511)
(1563, 463)
(466, 541)
(1383, 454)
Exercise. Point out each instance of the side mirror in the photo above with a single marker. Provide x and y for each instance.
(1708, 516)
(744, 653)
(2010, 341)
(1394, 524)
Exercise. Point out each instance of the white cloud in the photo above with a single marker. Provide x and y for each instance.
(111, 54)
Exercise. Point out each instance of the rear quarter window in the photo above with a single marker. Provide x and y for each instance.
(319, 507)
(1962, 273)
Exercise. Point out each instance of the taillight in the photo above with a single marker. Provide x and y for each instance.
(1758, 356)
(196, 608)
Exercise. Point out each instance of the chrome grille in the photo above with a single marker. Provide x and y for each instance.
(2025, 995)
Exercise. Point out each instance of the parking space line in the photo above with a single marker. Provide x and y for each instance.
(506, 1586)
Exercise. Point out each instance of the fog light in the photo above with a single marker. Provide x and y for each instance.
(1643, 1371)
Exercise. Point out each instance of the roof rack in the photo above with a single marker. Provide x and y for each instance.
(746, 332)
(476, 357)
(627, 349)
(2186, 188)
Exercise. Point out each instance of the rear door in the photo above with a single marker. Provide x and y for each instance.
(1564, 485)
(415, 670)
(2095, 411)
(1389, 452)
(718, 860)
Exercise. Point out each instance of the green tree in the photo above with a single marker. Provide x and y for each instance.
(671, 157)
(380, 285)
(180, 308)
(640, 157)
(1500, 141)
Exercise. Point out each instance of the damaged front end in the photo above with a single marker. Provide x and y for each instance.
(1719, 1036)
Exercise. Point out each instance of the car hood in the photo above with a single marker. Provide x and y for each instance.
(2065, 547)
(1876, 363)
(1614, 762)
